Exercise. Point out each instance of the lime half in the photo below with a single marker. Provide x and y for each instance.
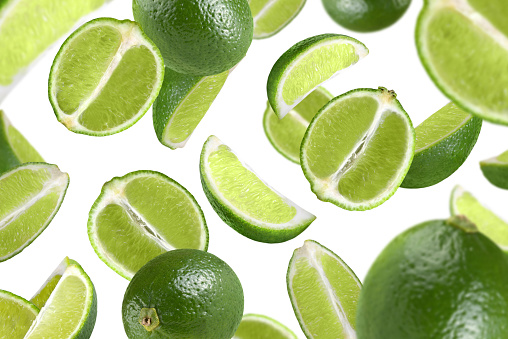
(142, 215)
(324, 292)
(306, 65)
(271, 16)
(256, 326)
(105, 77)
(16, 315)
(496, 170)
(358, 149)
(244, 201)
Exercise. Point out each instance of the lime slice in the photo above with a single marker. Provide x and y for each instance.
(463, 44)
(71, 309)
(286, 135)
(28, 27)
(358, 149)
(105, 77)
(496, 170)
(142, 215)
(256, 326)
(271, 16)
(182, 102)
(324, 292)
(464, 203)
(306, 65)
(14, 148)
(30, 196)
(244, 201)
(16, 315)
(443, 143)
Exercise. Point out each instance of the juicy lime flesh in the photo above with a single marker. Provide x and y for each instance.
(257, 6)
(260, 328)
(21, 147)
(29, 27)
(16, 316)
(503, 157)
(274, 17)
(494, 11)
(316, 67)
(40, 299)
(245, 191)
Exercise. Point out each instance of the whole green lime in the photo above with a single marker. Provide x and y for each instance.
(440, 279)
(197, 37)
(183, 293)
(366, 15)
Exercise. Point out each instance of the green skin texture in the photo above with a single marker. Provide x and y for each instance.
(438, 162)
(366, 15)
(436, 281)
(496, 174)
(201, 37)
(195, 294)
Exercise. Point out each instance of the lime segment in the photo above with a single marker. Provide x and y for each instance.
(16, 315)
(255, 326)
(271, 16)
(496, 170)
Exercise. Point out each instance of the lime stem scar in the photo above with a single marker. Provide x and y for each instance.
(149, 319)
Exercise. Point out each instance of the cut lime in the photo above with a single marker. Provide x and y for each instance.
(182, 102)
(244, 201)
(306, 65)
(358, 149)
(41, 297)
(463, 44)
(142, 215)
(14, 148)
(16, 315)
(105, 77)
(30, 196)
(71, 309)
(324, 292)
(286, 135)
(271, 16)
(496, 170)
(443, 143)
(464, 203)
(256, 326)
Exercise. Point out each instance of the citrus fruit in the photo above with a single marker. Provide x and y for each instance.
(464, 47)
(270, 17)
(201, 37)
(184, 293)
(16, 315)
(244, 201)
(440, 279)
(464, 203)
(358, 149)
(366, 15)
(71, 309)
(14, 148)
(443, 143)
(105, 77)
(182, 102)
(286, 134)
(324, 292)
(496, 170)
(30, 196)
(28, 27)
(256, 326)
(306, 65)
(141, 215)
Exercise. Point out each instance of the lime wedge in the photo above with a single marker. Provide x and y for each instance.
(464, 203)
(306, 65)
(16, 315)
(286, 134)
(443, 143)
(256, 326)
(182, 102)
(14, 148)
(30, 196)
(142, 215)
(105, 77)
(71, 309)
(244, 201)
(324, 292)
(358, 149)
(271, 16)
(41, 297)
(463, 44)
(496, 170)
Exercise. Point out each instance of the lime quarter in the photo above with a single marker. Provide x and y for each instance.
(256, 326)
(16, 315)
(496, 170)
(271, 16)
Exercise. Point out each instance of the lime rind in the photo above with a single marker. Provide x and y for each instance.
(136, 37)
(284, 331)
(495, 170)
(238, 220)
(288, 20)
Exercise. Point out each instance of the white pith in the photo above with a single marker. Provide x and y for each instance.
(282, 330)
(266, 9)
(301, 217)
(494, 161)
(450, 133)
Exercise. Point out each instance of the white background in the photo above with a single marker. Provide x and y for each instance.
(236, 118)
